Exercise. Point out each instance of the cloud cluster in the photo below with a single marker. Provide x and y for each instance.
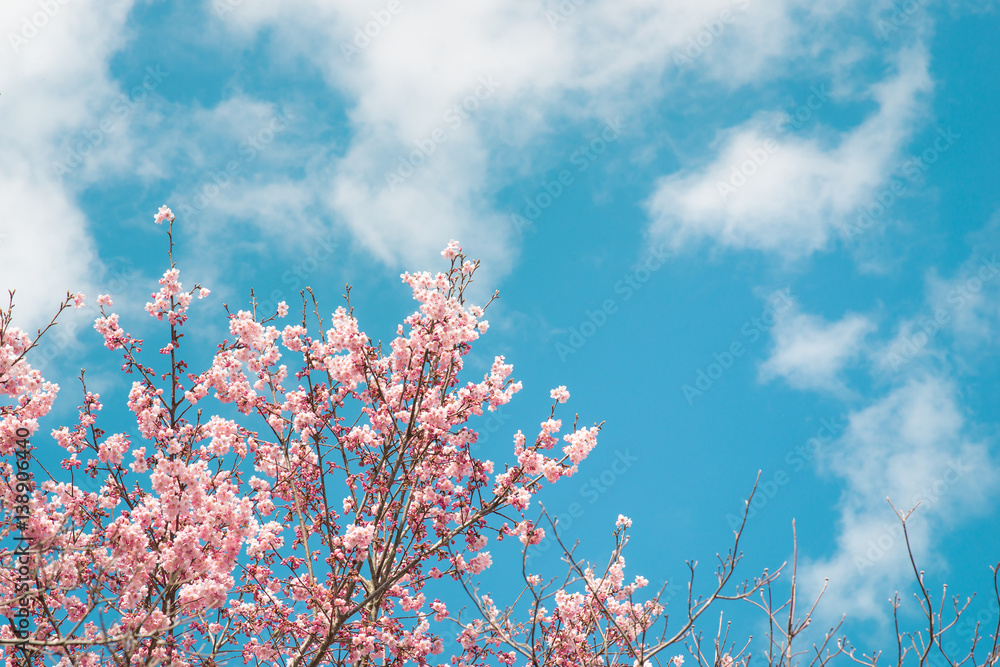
(429, 150)
(809, 353)
(914, 446)
(785, 193)
(911, 442)
(55, 86)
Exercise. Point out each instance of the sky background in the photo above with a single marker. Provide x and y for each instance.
(746, 234)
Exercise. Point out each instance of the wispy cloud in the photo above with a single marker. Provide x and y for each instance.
(405, 68)
(809, 352)
(914, 446)
(55, 83)
(791, 195)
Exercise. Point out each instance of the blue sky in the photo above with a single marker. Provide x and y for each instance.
(747, 235)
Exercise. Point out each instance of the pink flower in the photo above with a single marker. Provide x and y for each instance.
(480, 562)
(580, 444)
(114, 448)
(79, 300)
(441, 611)
(163, 214)
(140, 460)
(358, 536)
(171, 288)
(194, 518)
(623, 521)
(114, 336)
(451, 250)
(560, 394)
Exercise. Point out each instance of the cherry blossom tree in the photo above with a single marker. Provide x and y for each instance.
(303, 499)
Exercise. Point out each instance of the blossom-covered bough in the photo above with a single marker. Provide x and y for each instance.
(307, 517)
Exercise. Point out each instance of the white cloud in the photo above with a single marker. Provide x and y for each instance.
(54, 80)
(588, 62)
(957, 325)
(790, 195)
(912, 446)
(809, 352)
(971, 299)
(552, 67)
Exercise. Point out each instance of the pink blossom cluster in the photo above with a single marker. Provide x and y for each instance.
(171, 300)
(18, 380)
(306, 522)
(594, 618)
(163, 214)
